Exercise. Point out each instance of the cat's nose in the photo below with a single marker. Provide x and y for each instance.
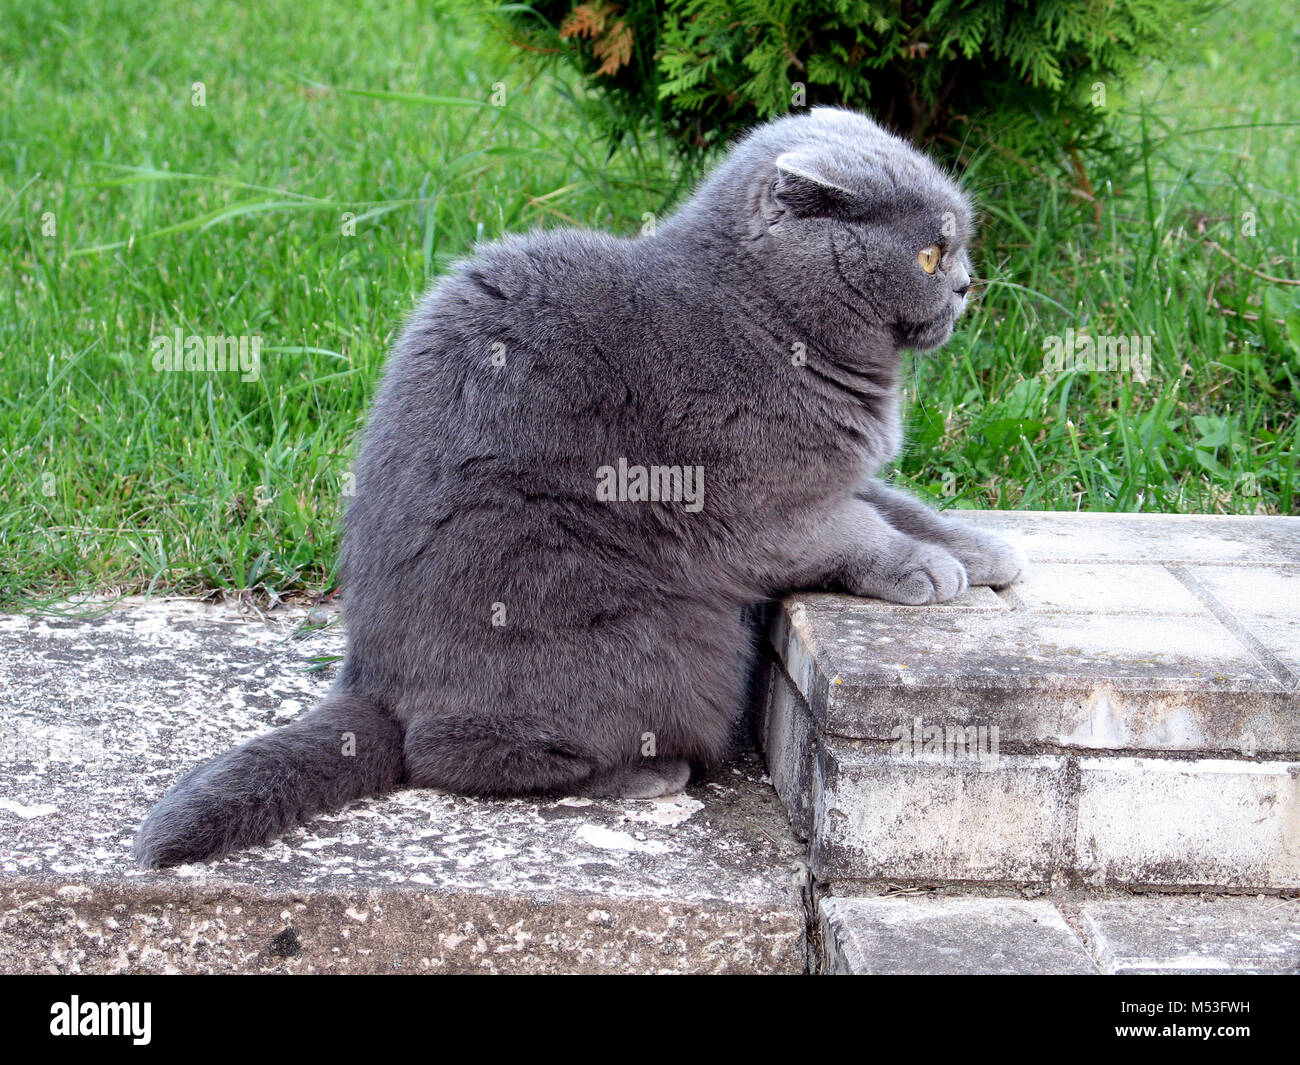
(961, 279)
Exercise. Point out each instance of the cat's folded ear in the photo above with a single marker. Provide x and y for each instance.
(802, 187)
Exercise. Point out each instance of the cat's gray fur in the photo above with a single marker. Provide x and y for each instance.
(509, 632)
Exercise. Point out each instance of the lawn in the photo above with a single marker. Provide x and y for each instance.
(296, 173)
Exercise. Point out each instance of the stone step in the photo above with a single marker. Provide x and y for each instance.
(103, 715)
(1130, 736)
(1129, 714)
(928, 933)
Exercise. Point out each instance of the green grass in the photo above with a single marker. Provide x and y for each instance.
(1214, 179)
(228, 219)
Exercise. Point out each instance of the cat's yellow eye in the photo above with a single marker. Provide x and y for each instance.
(929, 258)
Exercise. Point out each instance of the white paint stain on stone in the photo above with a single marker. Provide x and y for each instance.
(39, 810)
(608, 839)
(668, 810)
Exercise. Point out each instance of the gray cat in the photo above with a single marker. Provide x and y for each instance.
(588, 455)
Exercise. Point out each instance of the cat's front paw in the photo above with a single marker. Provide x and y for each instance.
(993, 561)
(924, 573)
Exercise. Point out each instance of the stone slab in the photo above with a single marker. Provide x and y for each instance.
(998, 818)
(1089, 588)
(942, 935)
(1188, 823)
(1280, 637)
(1251, 591)
(1080, 681)
(101, 716)
(1133, 705)
(1131, 633)
(1264, 601)
(1189, 934)
(932, 933)
(790, 744)
(1187, 539)
(883, 816)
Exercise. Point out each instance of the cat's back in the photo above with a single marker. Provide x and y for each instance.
(506, 336)
(526, 292)
(517, 371)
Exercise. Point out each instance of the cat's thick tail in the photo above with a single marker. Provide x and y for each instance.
(347, 748)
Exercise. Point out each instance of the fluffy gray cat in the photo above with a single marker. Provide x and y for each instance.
(588, 456)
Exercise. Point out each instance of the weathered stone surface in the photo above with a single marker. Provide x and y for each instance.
(1171, 823)
(1135, 701)
(1190, 539)
(102, 717)
(976, 814)
(1250, 591)
(1083, 681)
(790, 743)
(1280, 637)
(879, 815)
(105, 927)
(1188, 934)
(935, 934)
(1263, 605)
(1131, 633)
(1081, 588)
